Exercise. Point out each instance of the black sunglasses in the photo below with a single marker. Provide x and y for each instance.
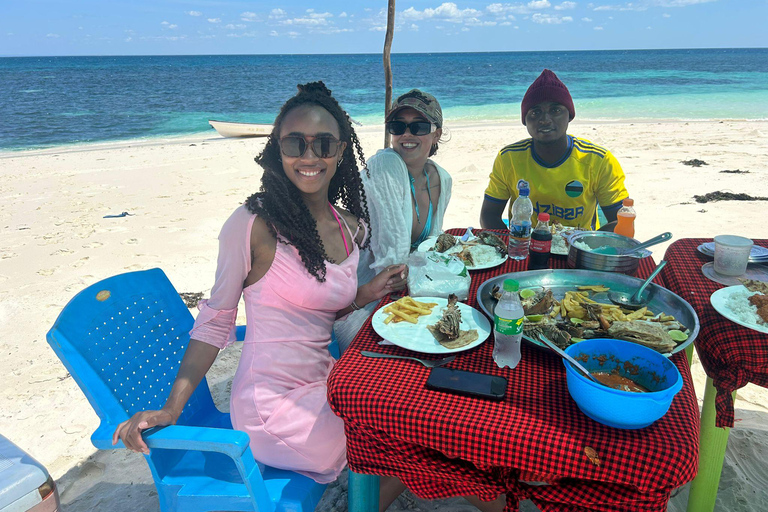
(323, 147)
(416, 127)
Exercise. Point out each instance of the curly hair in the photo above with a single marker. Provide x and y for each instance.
(278, 201)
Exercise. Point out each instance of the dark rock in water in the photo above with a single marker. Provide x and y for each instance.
(191, 298)
(695, 162)
(727, 196)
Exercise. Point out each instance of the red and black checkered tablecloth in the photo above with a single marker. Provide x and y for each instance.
(443, 445)
(732, 355)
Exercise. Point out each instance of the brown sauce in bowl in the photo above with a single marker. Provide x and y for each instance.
(616, 381)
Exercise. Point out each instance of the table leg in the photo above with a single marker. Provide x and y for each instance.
(712, 443)
(363, 492)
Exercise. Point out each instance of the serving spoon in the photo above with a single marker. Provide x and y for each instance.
(624, 251)
(635, 301)
(568, 358)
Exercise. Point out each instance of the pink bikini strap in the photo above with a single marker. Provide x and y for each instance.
(341, 228)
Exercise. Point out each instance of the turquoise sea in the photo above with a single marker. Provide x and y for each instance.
(49, 101)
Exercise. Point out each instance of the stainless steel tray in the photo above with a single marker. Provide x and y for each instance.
(563, 280)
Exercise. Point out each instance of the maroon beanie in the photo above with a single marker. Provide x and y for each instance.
(547, 88)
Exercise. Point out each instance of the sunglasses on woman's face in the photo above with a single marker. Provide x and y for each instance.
(323, 147)
(416, 128)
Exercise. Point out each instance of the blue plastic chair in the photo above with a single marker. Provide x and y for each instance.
(122, 340)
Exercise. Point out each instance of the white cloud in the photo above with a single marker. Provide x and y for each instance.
(231, 26)
(169, 25)
(505, 23)
(128, 39)
(626, 7)
(447, 11)
(274, 33)
(164, 23)
(293, 35)
(680, 3)
(464, 29)
(214, 20)
(252, 33)
(648, 28)
(343, 15)
(52, 36)
(313, 19)
(549, 19)
(598, 28)
(665, 15)
(414, 27)
(538, 4)
(377, 28)
(565, 5)
(172, 26)
(276, 14)
(194, 13)
(249, 16)
(588, 20)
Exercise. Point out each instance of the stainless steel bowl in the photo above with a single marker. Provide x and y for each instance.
(581, 258)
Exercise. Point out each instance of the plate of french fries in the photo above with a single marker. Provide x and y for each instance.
(404, 323)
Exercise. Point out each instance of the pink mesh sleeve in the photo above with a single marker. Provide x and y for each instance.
(215, 322)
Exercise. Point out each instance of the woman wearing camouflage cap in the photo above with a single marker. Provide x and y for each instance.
(407, 194)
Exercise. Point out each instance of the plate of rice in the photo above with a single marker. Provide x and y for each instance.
(733, 303)
(483, 256)
(560, 235)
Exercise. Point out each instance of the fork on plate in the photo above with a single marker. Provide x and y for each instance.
(429, 363)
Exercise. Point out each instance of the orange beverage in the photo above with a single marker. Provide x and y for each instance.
(625, 218)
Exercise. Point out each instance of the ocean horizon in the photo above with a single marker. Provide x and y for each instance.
(52, 101)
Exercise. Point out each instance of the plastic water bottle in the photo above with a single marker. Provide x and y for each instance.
(520, 224)
(508, 326)
(541, 244)
(626, 219)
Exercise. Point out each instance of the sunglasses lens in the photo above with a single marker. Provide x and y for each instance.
(293, 146)
(420, 128)
(325, 147)
(396, 127)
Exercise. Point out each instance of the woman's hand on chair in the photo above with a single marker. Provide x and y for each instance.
(130, 430)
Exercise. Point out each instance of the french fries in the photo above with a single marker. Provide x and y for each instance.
(407, 310)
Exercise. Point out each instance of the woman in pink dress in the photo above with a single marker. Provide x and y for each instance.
(293, 255)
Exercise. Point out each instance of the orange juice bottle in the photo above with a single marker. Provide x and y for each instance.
(626, 219)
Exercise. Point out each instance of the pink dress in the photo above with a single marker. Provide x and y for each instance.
(279, 390)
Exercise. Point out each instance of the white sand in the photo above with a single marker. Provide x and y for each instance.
(179, 192)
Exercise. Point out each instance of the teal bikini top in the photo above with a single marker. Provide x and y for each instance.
(428, 224)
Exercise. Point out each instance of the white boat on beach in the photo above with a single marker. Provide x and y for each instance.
(228, 129)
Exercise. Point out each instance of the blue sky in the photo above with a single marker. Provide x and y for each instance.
(183, 27)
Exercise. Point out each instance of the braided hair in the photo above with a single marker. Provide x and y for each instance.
(278, 201)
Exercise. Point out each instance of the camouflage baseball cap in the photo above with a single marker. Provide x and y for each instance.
(420, 101)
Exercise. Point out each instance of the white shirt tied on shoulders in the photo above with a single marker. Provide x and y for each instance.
(390, 205)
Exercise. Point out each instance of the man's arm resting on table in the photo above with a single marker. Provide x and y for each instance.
(610, 211)
(491, 212)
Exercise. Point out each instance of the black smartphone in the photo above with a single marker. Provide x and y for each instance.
(467, 383)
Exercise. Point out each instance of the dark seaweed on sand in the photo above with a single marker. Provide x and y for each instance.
(727, 196)
(695, 162)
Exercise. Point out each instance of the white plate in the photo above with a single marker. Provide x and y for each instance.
(417, 337)
(429, 244)
(758, 254)
(719, 301)
(563, 249)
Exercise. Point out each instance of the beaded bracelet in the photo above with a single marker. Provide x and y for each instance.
(355, 306)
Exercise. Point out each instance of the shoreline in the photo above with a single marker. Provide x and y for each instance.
(210, 136)
(57, 242)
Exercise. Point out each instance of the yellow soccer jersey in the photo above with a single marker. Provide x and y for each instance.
(569, 191)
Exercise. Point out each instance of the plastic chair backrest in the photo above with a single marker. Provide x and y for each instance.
(122, 340)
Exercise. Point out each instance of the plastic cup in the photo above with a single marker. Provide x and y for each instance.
(732, 254)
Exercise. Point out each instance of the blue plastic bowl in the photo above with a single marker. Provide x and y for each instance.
(613, 407)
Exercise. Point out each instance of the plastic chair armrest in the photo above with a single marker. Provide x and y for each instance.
(232, 443)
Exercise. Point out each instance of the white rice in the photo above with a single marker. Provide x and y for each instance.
(742, 309)
(559, 245)
(481, 254)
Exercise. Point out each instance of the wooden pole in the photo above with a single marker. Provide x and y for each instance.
(388, 64)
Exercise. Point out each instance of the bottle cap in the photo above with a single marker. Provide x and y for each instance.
(628, 202)
(544, 217)
(525, 192)
(510, 285)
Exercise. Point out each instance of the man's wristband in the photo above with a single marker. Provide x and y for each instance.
(355, 307)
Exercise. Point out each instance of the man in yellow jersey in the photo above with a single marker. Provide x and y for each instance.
(568, 176)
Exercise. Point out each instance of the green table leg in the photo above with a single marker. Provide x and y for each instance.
(712, 443)
(363, 492)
